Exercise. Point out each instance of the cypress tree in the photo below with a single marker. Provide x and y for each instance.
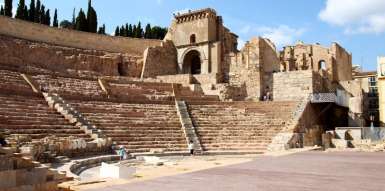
(31, 11)
(122, 31)
(20, 10)
(66, 24)
(134, 31)
(117, 31)
(47, 18)
(37, 12)
(2, 10)
(8, 8)
(102, 29)
(42, 15)
(25, 13)
(92, 18)
(147, 33)
(73, 19)
(126, 32)
(130, 33)
(81, 22)
(55, 21)
(139, 31)
(154, 32)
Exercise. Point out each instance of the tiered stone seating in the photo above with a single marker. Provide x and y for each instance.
(139, 127)
(29, 115)
(186, 94)
(239, 125)
(70, 87)
(142, 90)
(11, 83)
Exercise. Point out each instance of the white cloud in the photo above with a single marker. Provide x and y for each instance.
(356, 16)
(281, 35)
(241, 43)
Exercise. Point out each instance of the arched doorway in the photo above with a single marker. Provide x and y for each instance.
(192, 63)
(322, 65)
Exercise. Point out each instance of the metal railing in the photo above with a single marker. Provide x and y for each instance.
(323, 98)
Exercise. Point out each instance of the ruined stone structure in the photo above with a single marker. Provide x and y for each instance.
(201, 41)
(97, 88)
(335, 61)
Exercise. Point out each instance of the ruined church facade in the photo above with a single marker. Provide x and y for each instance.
(207, 51)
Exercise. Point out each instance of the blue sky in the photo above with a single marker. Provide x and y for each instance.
(358, 25)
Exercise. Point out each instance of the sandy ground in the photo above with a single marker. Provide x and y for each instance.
(172, 166)
(306, 171)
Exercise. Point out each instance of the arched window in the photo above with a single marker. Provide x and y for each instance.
(322, 65)
(193, 39)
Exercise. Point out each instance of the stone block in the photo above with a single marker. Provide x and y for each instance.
(116, 171)
(340, 143)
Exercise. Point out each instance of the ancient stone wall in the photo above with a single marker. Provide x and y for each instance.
(335, 62)
(291, 86)
(343, 63)
(253, 66)
(160, 60)
(24, 53)
(184, 79)
(71, 38)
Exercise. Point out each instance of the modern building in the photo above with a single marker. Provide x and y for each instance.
(381, 88)
(369, 88)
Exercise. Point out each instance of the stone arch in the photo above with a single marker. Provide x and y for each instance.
(192, 62)
(322, 65)
(122, 69)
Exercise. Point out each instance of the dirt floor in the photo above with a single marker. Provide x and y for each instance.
(172, 166)
(314, 171)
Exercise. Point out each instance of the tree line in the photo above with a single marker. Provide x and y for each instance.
(35, 13)
(84, 21)
(136, 31)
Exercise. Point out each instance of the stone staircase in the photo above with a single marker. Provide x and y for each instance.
(72, 115)
(187, 125)
(287, 138)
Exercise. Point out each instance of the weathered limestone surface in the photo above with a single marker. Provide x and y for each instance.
(160, 60)
(335, 61)
(21, 173)
(295, 85)
(249, 66)
(21, 53)
(71, 38)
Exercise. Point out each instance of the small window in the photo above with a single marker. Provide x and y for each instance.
(192, 39)
(322, 65)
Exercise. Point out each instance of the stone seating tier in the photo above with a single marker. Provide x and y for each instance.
(239, 125)
(28, 115)
(138, 127)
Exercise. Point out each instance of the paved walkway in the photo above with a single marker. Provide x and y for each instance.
(299, 172)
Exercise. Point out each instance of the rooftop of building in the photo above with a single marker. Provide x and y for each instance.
(193, 12)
